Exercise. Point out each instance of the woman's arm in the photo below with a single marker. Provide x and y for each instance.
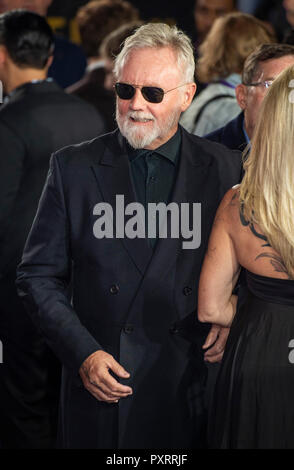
(220, 269)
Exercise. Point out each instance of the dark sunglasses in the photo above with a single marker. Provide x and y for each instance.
(152, 94)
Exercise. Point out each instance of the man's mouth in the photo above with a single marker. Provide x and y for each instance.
(140, 120)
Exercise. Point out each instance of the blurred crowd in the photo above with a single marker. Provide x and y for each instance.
(58, 93)
(85, 70)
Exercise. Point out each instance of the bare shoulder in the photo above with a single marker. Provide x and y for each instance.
(228, 211)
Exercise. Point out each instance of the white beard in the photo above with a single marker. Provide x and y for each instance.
(139, 138)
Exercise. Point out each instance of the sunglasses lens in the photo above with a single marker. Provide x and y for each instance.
(153, 94)
(150, 93)
(124, 91)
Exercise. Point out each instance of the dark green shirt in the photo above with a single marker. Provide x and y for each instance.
(154, 172)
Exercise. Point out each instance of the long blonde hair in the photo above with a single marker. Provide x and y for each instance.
(231, 39)
(267, 189)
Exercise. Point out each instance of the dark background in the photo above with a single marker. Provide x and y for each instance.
(171, 11)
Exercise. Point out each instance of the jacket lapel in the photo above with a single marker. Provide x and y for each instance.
(114, 179)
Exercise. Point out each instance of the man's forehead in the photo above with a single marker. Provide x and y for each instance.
(156, 71)
(151, 58)
(271, 68)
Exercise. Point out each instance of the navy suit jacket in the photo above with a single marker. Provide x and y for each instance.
(231, 135)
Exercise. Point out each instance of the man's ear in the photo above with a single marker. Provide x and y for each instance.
(189, 93)
(241, 95)
(49, 61)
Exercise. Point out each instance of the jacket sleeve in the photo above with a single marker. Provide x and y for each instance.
(44, 277)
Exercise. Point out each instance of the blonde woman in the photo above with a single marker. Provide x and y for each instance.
(222, 55)
(254, 229)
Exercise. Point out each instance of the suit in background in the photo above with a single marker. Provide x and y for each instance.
(69, 63)
(91, 88)
(36, 120)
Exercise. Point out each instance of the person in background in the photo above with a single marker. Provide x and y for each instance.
(69, 62)
(261, 68)
(205, 13)
(134, 374)
(253, 229)
(36, 119)
(249, 6)
(274, 13)
(96, 20)
(222, 55)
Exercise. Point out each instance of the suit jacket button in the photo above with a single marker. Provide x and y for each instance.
(128, 329)
(174, 330)
(114, 289)
(187, 290)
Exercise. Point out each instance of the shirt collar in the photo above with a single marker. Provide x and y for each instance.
(26, 85)
(168, 150)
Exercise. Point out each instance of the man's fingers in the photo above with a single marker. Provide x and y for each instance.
(222, 338)
(211, 337)
(117, 368)
(100, 395)
(97, 379)
(113, 386)
(214, 358)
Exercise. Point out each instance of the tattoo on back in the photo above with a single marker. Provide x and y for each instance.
(245, 223)
(275, 260)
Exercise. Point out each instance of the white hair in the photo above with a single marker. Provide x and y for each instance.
(157, 35)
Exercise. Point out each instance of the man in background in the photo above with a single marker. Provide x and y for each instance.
(261, 68)
(69, 62)
(36, 119)
(96, 20)
(205, 14)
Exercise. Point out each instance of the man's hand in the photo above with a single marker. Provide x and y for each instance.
(218, 337)
(99, 382)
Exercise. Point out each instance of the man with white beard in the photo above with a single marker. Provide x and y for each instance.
(132, 348)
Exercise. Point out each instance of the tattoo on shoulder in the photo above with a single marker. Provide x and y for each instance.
(233, 199)
(276, 261)
(247, 223)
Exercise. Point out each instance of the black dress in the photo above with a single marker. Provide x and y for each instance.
(253, 406)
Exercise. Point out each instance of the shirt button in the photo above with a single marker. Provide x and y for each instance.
(153, 178)
(187, 290)
(174, 330)
(114, 289)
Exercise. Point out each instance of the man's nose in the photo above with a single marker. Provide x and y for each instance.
(138, 101)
